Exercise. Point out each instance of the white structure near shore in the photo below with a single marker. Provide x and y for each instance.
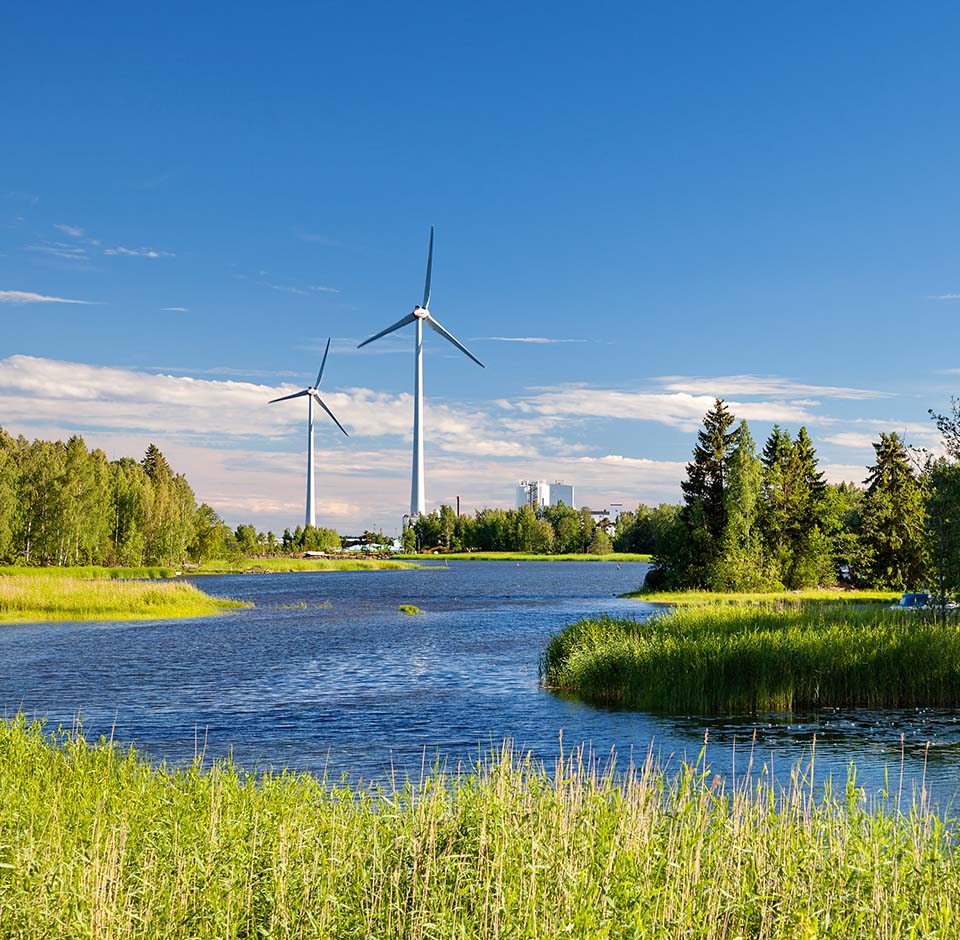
(539, 493)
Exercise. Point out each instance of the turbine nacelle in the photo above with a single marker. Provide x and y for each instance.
(421, 313)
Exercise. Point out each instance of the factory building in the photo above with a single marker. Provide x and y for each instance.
(539, 493)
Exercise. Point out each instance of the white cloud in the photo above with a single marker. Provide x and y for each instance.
(70, 230)
(138, 252)
(176, 309)
(765, 386)
(945, 297)
(858, 441)
(63, 250)
(28, 297)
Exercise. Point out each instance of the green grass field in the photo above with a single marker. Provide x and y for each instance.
(522, 556)
(706, 598)
(755, 658)
(94, 843)
(280, 563)
(25, 598)
(89, 572)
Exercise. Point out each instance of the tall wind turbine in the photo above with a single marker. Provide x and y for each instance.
(312, 394)
(420, 315)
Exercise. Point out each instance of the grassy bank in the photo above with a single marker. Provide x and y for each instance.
(26, 598)
(94, 843)
(705, 598)
(255, 565)
(523, 556)
(702, 660)
(89, 572)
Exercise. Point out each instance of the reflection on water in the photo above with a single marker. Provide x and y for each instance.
(350, 684)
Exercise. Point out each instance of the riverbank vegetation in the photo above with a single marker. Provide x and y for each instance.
(96, 843)
(765, 521)
(282, 563)
(704, 598)
(525, 556)
(91, 572)
(760, 658)
(29, 598)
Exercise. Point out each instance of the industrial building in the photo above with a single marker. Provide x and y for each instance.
(539, 493)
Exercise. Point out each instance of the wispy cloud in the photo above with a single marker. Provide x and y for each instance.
(28, 297)
(72, 230)
(176, 309)
(945, 297)
(301, 291)
(763, 386)
(63, 250)
(529, 339)
(138, 252)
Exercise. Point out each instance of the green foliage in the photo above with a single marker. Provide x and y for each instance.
(892, 546)
(410, 609)
(94, 842)
(737, 659)
(26, 598)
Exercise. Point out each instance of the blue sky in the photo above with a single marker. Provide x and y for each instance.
(678, 202)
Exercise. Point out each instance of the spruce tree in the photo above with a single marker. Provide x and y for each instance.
(893, 519)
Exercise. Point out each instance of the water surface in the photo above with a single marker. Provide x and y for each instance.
(348, 684)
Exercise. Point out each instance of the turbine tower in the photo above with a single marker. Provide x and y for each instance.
(420, 315)
(312, 394)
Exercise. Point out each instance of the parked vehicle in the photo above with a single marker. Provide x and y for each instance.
(921, 600)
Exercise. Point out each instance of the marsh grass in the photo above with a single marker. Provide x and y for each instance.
(706, 598)
(27, 598)
(89, 572)
(523, 556)
(94, 843)
(258, 565)
(718, 659)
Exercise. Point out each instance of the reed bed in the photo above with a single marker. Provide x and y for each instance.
(91, 572)
(737, 599)
(28, 598)
(526, 556)
(706, 660)
(94, 843)
(260, 565)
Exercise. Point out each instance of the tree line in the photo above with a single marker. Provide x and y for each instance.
(754, 520)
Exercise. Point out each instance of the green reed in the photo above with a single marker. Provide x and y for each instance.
(94, 843)
(723, 659)
(29, 598)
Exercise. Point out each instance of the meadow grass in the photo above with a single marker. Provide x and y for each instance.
(702, 598)
(525, 556)
(754, 658)
(26, 598)
(90, 572)
(94, 843)
(280, 563)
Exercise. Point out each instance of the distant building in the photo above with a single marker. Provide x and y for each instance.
(535, 493)
(539, 493)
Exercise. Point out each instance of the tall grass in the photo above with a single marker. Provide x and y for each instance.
(526, 556)
(96, 844)
(736, 598)
(27, 598)
(718, 659)
(279, 563)
(93, 572)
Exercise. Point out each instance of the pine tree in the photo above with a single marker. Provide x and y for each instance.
(892, 543)
(704, 514)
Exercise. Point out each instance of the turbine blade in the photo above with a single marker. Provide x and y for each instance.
(426, 286)
(409, 318)
(323, 405)
(449, 336)
(322, 364)
(306, 391)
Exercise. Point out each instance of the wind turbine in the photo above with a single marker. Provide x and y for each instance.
(312, 394)
(420, 315)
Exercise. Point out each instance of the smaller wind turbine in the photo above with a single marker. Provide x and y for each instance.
(312, 394)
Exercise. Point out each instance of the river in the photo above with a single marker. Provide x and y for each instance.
(326, 674)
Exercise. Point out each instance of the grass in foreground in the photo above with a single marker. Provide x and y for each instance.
(89, 572)
(523, 556)
(25, 598)
(703, 660)
(279, 563)
(703, 598)
(94, 843)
